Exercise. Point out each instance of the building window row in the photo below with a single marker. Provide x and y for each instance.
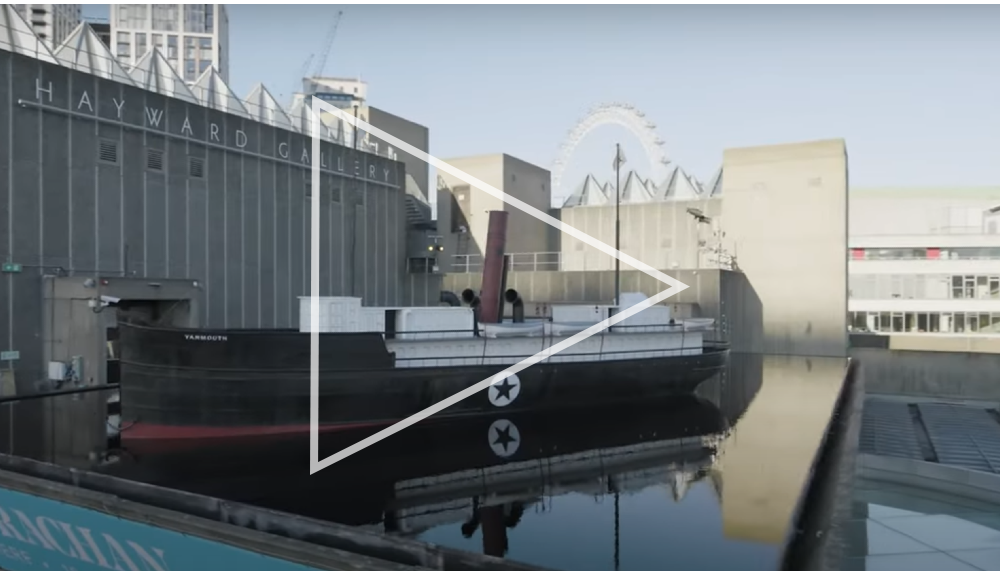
(923, 286)
(925, 253)
(923, 322)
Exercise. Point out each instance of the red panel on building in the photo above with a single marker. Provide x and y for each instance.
(858, 253)
(933, 253)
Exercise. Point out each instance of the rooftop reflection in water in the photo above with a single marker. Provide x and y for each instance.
(699, 483)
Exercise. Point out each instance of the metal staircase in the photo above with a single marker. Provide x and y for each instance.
(417, 213)
(462, 250)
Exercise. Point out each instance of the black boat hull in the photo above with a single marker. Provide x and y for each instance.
(169, 393)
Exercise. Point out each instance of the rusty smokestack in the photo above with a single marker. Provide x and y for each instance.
(494, 265)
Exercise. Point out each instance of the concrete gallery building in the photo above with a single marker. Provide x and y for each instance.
(786, 293)
(144, 189)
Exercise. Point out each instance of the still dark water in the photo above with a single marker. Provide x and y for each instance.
(708, 481)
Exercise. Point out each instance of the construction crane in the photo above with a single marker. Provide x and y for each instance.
(327, 45)
(297, 86)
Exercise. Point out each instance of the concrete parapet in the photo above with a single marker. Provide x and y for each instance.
(952, 375)
(785, 213)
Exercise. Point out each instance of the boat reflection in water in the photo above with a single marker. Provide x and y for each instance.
(450, 482)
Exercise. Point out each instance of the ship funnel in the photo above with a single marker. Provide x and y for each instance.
(494, 268)
(516, 304)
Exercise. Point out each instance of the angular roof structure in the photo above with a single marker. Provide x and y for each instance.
(714, 186)
(635, 189)
(678, 185)
(212, 91)
(299, 113)
(263, 107)
(154, 72)
(590, 193)
(84, 51)
(18, 37)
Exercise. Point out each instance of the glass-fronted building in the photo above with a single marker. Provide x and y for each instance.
(925, 260)
(193, 37)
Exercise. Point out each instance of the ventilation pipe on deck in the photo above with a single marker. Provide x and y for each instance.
(470, 298)
(516, 304)
(450, 298)
(473, 301)
(494, 266)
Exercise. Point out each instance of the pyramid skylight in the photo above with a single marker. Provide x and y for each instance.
(84, 51)
(18, 37)
(154, 72)
(213, 92)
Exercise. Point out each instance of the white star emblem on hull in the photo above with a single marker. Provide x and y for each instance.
(505, 392)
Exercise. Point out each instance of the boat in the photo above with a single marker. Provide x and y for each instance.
(381, 365)
(198, 383)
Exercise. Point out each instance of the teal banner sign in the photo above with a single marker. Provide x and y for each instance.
(41, 534)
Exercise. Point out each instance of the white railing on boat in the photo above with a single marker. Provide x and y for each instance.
(430, 349)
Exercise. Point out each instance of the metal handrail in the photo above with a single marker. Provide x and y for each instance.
(924, 259)
(709, 345)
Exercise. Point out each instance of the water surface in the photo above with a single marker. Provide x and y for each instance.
(708, 481)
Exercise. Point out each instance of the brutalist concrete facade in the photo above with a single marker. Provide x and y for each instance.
(101, 178)
(785, 214)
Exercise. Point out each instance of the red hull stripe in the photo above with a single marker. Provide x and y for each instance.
(146, 432)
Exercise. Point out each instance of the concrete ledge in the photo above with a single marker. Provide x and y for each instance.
(962, 482)
(317, 544)
(945, 343)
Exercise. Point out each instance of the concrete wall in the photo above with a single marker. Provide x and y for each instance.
(533, 185)
(945, 343)
(517, 178)
(473, 203)
(954, 375)
(240, 229)
(409, 132)
(661, 234)
(785, 213)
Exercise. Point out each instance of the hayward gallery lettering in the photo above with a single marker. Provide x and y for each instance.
(154, 116)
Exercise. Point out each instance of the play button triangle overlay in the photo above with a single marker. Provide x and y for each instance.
(315, 464)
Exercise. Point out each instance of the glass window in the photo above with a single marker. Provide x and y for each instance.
(123, 16)
(189, 69)
(140, 45)
(204, 64)
(959, 323)
(994, 286)
(194, 18)
(123, 37)
(124, 49)
(158, 41)
(172, 47)
(189, 46)
(897, 323)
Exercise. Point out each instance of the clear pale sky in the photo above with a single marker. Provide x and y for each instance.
(914, 90)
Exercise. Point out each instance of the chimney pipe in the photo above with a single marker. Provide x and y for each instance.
(494, 266)
(516, 304)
